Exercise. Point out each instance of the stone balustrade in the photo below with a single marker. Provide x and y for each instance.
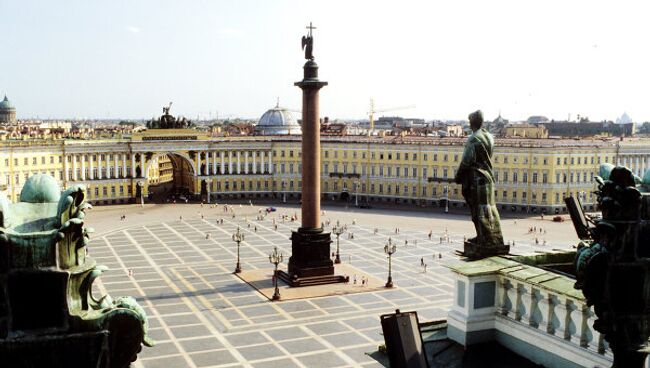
(525, 305)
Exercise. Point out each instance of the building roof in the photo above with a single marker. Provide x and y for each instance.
(6, 105)
(278, 121)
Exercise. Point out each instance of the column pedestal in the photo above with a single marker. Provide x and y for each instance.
(310, 263)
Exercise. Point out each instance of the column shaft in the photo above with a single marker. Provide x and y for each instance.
(310, 159)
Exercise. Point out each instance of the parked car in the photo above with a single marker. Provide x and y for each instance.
(270, 209)
(558, 219)
(364, 205)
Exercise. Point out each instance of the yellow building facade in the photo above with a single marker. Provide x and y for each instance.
(532, 175)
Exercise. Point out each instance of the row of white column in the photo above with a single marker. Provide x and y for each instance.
(233, 161)
(639, 164)
(113, 170)
(106, 169)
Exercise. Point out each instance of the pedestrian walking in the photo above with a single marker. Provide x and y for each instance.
(425, 268)
(354, 279)
(422, 261)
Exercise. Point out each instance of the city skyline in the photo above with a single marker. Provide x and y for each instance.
(86, 60)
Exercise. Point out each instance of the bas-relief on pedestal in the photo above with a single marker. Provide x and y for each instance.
(48, 314)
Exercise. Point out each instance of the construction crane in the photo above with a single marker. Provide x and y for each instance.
(372, 112)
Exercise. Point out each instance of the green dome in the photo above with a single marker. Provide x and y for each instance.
(6, 104)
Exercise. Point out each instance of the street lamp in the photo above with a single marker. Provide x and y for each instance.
(238, 237)
(356, 193)
(275, 258)
(207, 189)
(447, 198)
(389, 249)
(338, 230)
(140, 184)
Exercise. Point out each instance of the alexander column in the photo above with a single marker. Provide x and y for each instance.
(310, 245)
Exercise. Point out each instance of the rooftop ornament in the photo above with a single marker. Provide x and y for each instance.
(613, 262)
(49, 316)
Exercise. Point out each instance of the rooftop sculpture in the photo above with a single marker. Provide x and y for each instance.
(613, 262)
(475, 175)
(49, 316)
(168, 121)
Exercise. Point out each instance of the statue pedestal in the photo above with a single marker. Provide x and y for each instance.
(474, 250)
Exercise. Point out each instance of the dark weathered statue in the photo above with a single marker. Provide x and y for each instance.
(49, 316)
(475, 176)
(168, 121)
(308, 43)
(613, 262)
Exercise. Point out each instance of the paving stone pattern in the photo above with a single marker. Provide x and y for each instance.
(201, 315)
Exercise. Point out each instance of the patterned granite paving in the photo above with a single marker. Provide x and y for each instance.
(201, 315)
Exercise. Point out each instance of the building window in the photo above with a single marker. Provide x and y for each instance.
(534, 177)
(544, 178)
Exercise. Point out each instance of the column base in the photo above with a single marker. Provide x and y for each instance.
(310, 262)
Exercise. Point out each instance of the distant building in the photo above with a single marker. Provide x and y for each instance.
(589, 129)
(624, 119)
(7, 112)
(278, 121)
(536, 119)
(526, 131)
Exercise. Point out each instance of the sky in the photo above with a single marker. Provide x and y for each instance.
(225, 59)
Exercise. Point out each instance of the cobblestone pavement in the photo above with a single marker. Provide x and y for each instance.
(201, 315)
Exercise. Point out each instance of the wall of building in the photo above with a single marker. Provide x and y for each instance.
(531, 175)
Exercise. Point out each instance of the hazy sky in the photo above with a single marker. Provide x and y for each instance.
(128, 58)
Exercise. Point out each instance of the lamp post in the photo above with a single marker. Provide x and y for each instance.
(356, 194)
(238, 237)
(140, 184)
(208, 182)
(275, 258)
(337, 230)
(447, 198)
(389, 249)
